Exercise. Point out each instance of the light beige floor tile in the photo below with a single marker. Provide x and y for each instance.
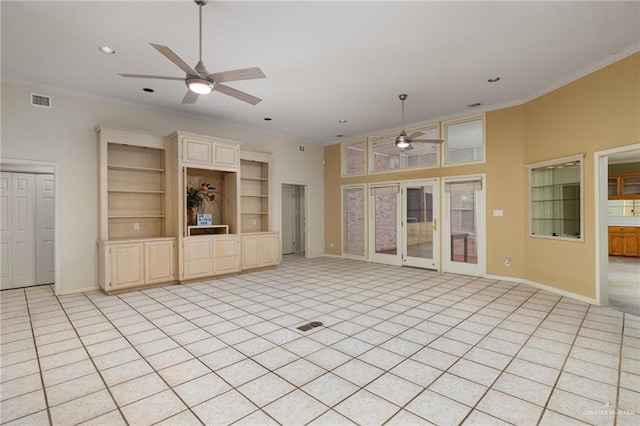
(168, 358)
(458, 389)
(265, 389)
(295, 408)
(124, 372)
(328, 358)
(509, 409)
(153, 409)
(416, 372)
(75, 388)
(406, 418)
(394, 389)
(242, 372)
(478, 418)
(82, 409)
(438, 409)
(586, 387)
(112, 418)
(224, 409)
(330, 389)
(20, 386)
(363, 407)
(220, 359)
(184, 372)
(22, 405)
(358, 372)
(331, 418)
(137, 389)
(185, 418)
(41, 418)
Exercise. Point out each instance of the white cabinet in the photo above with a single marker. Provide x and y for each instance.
(209, 154)
(125, 265)
(206, 256)
(260, 250)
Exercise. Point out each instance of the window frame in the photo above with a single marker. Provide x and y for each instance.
(444, 133)
(579, 158)
(343, 157)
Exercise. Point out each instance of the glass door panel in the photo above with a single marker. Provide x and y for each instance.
(385, 211)
(421, 233)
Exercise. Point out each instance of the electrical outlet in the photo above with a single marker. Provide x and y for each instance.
(507, 261)
(136, 225)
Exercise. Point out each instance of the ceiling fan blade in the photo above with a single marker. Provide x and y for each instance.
(438, 141)
(190, 97)
(409, 148)
(173, 57)
(157, 77)
(236, 75)
(238, 94)
(415, 135)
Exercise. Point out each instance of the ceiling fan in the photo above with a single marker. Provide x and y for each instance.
(198, 80)
(404, 141)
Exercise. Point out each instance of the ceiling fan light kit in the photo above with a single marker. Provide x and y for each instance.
(198, 80)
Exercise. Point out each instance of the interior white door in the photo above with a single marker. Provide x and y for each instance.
(45, 235)
(463, 231)
(288, 219)
(6, 269)
(23, 229)
(420, 219)
(386, 238)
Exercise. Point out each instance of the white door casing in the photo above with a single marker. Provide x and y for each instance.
(288, 219)
(6, 269)
(421, 230)
(385, 227)
(45, 232)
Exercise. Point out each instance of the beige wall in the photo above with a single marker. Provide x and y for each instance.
(65, 135)
(596, 112)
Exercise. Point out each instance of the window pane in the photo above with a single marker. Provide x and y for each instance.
(353, 232)
(420, 222)
(464, 141)
(463, 224)
(385, 155)
(384, 205)
(354, 158)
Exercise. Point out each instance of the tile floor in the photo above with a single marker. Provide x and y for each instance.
(624, 285)
(399, 346)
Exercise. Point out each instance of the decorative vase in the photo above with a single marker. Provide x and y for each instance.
(190, 217)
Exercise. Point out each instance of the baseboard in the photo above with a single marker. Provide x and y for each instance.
(545, 287)
(333, 256)
(78, 290)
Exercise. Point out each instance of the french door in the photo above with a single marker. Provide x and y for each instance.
(463, 231)
(420, 220)
(385, 213)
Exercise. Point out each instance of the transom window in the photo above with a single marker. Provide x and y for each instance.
(386, 156)
(354, 158)
(464, 140)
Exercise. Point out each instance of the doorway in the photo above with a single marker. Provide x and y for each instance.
(293, 219)
(617, 275)
(27, 229)
(420, 218)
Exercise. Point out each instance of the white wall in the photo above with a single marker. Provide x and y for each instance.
(66, 135)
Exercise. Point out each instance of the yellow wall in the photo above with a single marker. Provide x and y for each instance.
(596, 112)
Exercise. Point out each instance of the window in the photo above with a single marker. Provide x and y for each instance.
(556, 198)
(464, 140)
(354, 158)
(386, 156)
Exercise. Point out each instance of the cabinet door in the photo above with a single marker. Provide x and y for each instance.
(630, 244)
(225, 255)
(250, 251)
(197, 152)
(159, 262)
(615, 243)
(269, 245)
(225, 156)
(127, 261)
(197, 259)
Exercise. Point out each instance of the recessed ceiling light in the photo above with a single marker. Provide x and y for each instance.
(342, 121)
(477, 104)
(494, 79)
(148, 90)
(107, 50)
(267, 119)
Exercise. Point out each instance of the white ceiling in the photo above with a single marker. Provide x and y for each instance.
(324, 61)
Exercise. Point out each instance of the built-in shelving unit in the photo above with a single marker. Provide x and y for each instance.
(254, 195)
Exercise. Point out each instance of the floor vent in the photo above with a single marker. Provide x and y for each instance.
(309, 326)
(40, 101)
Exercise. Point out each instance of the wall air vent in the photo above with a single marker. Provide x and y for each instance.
(40, 100)
(302, 149)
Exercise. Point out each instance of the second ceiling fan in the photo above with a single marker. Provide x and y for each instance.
(404, 141)
(198, 80)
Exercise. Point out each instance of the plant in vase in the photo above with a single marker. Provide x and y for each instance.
(197, 196)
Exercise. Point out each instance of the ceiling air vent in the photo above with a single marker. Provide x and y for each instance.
(302, 149)
(40, 101)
